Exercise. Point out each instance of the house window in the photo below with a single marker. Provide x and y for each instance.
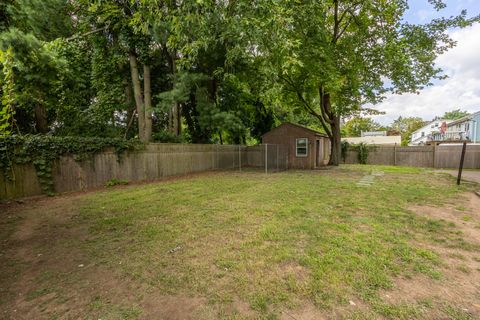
(302, 147)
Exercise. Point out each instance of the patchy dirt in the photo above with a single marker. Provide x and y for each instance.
(459, 285)
(53, 280)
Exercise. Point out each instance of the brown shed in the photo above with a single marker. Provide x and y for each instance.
(307, 148)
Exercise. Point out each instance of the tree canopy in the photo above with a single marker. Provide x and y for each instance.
(355, 126)
(406, 126)
(455, 114)
(208, 71)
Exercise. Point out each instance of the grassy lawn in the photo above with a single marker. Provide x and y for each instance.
(291, 245)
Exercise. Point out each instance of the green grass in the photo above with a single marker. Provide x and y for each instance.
(274, 241)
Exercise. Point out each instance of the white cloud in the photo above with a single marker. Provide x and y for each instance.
(460, 90)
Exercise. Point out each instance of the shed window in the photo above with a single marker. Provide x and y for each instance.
(302, 147)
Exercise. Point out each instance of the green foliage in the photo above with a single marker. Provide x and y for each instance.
(355, 126)
(7, 110)
(331, 58)
(344, 150)
(362, 152)
(168, 137)
(226, 71)
(42, 151)
(46, 19)
(115, 182)
(36, 67)
(455, 114)
(405, 126)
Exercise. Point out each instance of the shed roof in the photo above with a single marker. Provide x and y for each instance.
(300, 127)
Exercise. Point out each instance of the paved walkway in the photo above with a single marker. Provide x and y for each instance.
(367, 180)
(466, 174)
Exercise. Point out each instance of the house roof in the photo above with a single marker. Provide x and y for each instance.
(429, 124)
(300, 127)
(463, 119)
(375, 140)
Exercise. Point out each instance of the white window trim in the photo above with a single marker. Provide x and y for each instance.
(296, 148)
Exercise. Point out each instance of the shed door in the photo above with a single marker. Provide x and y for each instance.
(319, 157)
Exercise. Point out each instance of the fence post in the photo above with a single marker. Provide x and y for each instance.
(395, 154)
(462, 159)
(239, 158)
(212, 148)
(278, 169)
(266, 158)
(434, 154)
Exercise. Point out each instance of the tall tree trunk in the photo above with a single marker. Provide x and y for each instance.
(147, 93)
(174, 114)
(137, 92)
(179, 120)
(331, 123)
(41, 123)
(130, 106)
(335, 142)
(174, 119)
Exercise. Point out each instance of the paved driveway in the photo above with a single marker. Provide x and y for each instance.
(470, 175)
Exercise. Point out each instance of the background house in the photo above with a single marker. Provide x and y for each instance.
(424, 135)
(375, 140)
(373, 134)
(307, 148)
(464, 129)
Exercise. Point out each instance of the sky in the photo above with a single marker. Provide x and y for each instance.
(461, 90)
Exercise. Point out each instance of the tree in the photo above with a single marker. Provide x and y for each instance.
(335, 56)
(355, 126)
(7, 99)
(30, 29)
(455, 114)
(118, 19)
(406, 126)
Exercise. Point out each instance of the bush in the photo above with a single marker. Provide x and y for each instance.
(344, 149)
(167, 137)
(363, 151)
(115, 182)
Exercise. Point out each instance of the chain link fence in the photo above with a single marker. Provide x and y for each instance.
(268, 157)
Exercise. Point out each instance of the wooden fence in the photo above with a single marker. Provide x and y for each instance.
(153, 163)
(446, 156)
(163, 160)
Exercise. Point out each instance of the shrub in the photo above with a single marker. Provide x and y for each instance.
(363, 151)
(115, 182)
(344, 150)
